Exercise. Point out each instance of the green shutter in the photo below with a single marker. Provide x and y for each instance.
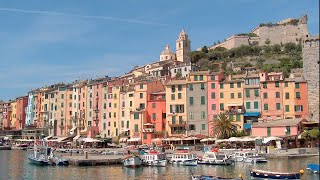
(278, 106)
(247, 93)
(172, 97)
(256, 93)
(288, 133)
(179, 88)
(255, 104)
(248, 105)
(265, 95)
(136, 129)
(221, 85)
(203, 127)
(239, 95)
(212, 77)
(195, 78)
(191, 100)
(173, 119)
(201, 77)
(298, 95)
(191, 87)
(287, 108)
(179, 96)
(277, 83)
(203, 100)
(268, 131)
(297, 85)
(277, 94)
(221, 106)
(231, 85)
(221, 95)
(213, 85)
(213, 95)
(136, 115)
(232, 95)
(238, 117)
(202, 86)
(239, 84)
(180, 120)
(287, 95)
(265, 106)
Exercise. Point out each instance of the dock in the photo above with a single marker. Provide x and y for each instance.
(5, 148)
(94, 160)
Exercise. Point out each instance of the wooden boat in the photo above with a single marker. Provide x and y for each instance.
(154, 158)
(275, 175)
(210, 177)
(215, 158)
(184, 157)
(314, 168)
(132, 161)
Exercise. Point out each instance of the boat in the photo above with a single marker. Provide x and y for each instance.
(275, 175)
(132, 161)
(215, 158)
(210, 177)
(185, 158)
(314, 168)
(248, 157)
(154, 158)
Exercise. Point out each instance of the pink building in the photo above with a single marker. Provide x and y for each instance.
(271, 95)
(278, 128)
(213, 97)
(22, 103)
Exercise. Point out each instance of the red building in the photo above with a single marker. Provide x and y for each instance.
(22, 103)
(156, 117)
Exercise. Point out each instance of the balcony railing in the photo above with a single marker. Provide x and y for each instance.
(236, 111)
(148, 130)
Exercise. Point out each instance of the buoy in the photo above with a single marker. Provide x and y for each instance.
(301, 171)
(240, 176)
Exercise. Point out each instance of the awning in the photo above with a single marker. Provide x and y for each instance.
(156, 139)
(254, 114)
(234, 104)
(59, 139)
(247, 126)
(76, 137)
(47, 138)
(148, 124)
(90, 140)
(134, 140)
(123, 140)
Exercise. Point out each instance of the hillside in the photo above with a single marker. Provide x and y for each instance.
(277, 58)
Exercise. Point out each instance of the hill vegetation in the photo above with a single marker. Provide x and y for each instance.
(275, 58)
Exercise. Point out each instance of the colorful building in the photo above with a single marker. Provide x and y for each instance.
(21, 103)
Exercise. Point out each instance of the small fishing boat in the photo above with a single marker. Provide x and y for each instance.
(248, 157)
(40, 155)
(215, 158)
(210, 177)
(185, 158)
(154, 158)
(314, 168)
(276, 175)
(132, 161)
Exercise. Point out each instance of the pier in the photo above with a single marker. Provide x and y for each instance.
(94, 160)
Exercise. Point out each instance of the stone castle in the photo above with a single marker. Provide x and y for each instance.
(310, 53)
(288, 30)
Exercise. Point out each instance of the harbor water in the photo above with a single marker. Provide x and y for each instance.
(15, 165)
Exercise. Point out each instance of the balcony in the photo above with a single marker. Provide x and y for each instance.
(178, 132)
(235, 111)
(178, 125)
(148, 130)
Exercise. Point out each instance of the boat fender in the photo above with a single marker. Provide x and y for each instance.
(301, 171)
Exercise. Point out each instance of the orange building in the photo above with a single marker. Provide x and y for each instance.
(22, 103)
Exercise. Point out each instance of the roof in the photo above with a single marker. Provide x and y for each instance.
(297, 79)
(199, 73)
(274, 123)
(176, 82)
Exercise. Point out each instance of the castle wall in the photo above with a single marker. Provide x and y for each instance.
(233, 42)
(310, 54)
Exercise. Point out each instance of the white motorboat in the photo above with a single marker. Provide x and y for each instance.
(132, 161)
(185, 158)
(249, 157)
(215, 158)
(154, 158)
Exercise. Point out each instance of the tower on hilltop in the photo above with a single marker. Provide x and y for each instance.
(183, 47)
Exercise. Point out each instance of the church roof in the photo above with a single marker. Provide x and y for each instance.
(167, 51)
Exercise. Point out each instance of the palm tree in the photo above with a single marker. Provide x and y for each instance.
(223, 127)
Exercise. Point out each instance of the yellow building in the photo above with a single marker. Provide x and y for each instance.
(13, 105)
(176, 107)
(231, 99)
(288, 98)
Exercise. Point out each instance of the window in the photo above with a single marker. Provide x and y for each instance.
(221, 106)
(298, 95)
(213, 107)
(131, 95)
(179, 96)
(192, 127)
(203, 114)
(215, 117)
(195, 78)
(141, 86)
(203, 100)
(130, 103)
(154, 105)
(256, 93)
(276, 84)
(179, 88)
(109, 104)
(114, 114)
(212, 77)
(297, 85)
(238, 117)
(221, 85)
(221, 95)
(191, 100)
(239, 95)
(122, 113)
(191, 87)
(231, 85)
(141, 95)
(255, 105)
(136, 128)
(264, 85)
(232, 95)
(286, 84)
(202, 86)
(154, 116)
(173, 97)
(173, 89)
(62, 96)
(238, 84)
(287, 108)
(144, 136)
(231, 118)
(265, 95)
(201, 77)
(248, 105)
(287, 95)
(203, 126)
(136, 115)
(173, 119)
(277, 94)
(247, 93)
(268, 131)
(288, 130)
(114, 124)
(278, 106)
(104, 126)
(265, 107)
(180, 120)
(191, 115)
(213, 95)
(213, 85)
(298, 108)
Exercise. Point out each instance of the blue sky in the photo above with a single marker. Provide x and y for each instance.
(45, 42)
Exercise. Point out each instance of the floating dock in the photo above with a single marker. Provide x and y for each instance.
(94, 160)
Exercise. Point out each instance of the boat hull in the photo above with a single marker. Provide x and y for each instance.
(132, 162)
(314, 168)
(39, 162)
(185, 162)
(205, 177)
(274, 175)
(219, 163)
(159, 163)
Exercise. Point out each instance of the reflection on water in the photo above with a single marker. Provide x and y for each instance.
(14, 165)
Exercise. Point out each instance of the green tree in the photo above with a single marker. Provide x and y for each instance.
(197, 55)
(204, 49)
(178, 75)
(223, 127)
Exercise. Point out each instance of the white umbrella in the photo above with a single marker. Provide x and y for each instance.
(271, 138)
(90, 140)
(247, 139)
(233, 139)
(221, 140)
(204, 140)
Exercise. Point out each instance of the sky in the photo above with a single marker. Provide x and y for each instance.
(46, 42)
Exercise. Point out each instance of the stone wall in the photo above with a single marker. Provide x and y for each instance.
(310, 53)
